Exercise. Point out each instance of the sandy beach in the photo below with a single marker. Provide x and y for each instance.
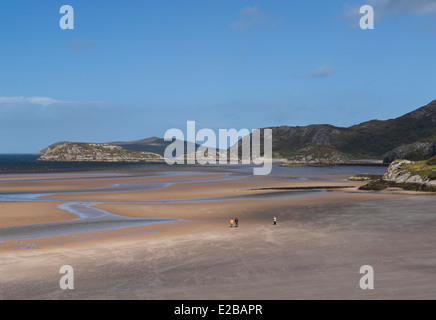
(315, 251)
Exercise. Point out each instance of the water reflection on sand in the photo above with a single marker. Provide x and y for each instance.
(91, 219)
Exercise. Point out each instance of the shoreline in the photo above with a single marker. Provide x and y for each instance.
(29, 164)
(91, 195)
(87, 193)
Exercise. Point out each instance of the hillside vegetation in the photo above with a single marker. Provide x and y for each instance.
(412, 136)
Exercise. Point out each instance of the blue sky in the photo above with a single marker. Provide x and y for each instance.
(135, 68)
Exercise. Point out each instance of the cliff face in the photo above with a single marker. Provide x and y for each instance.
(101, 152)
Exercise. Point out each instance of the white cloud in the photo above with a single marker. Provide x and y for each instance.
(250, 17)
(43, 101)
(250, 11)
(386, 7)
(321, 72)
(79, 45)
(421, 7)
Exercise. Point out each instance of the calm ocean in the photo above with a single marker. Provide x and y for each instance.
(28, 163)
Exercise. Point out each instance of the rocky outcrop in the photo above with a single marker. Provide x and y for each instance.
(365, 177)
(203, 156)
(427, 113)
(318, 155)
(43, 151)
(405, 171)
(93, 152)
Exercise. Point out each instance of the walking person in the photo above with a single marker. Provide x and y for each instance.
(231, 222)
(275, 220)
(236, 222)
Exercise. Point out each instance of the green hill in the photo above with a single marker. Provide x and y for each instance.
(369, 140)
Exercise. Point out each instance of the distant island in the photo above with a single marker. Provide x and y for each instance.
(153, 145)
(93, 152)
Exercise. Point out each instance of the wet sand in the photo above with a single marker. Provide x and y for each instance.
(315, 251)
(22, 213)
